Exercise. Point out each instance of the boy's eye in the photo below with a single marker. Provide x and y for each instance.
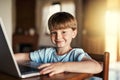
(64, 32)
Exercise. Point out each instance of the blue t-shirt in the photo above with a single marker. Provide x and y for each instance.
(48, 55)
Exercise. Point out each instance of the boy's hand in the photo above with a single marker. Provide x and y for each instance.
(52, 68)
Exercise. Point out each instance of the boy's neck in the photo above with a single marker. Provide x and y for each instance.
(61, 51)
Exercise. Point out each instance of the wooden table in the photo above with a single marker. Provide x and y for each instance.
(62, 76)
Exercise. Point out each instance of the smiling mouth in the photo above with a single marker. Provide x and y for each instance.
(58, 41)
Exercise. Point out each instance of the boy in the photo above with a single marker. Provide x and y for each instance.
(62, 58)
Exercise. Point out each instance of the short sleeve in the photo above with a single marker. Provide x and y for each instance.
(42, 56)
(80, 54)
(37, 56)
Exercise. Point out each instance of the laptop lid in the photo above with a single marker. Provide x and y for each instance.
(8, 63)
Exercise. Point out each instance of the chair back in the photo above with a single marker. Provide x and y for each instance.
(104, 60)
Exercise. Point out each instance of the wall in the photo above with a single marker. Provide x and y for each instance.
(6, 15)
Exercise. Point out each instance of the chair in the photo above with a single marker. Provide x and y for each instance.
(104, 60)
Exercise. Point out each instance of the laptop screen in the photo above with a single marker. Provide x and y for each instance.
(7, 62)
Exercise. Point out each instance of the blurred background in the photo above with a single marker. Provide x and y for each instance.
(98, 24)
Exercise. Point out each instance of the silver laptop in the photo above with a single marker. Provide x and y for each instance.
(8, 63)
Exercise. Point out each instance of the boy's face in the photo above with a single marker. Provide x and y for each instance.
(63, 37)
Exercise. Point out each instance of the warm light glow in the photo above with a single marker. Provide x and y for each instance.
(54, 8)
(112, 23)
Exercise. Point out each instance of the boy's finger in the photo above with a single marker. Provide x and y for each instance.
(44, 65)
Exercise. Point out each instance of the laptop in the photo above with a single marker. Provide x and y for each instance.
(8, 64)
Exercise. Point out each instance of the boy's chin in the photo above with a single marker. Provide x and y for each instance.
(60, 46)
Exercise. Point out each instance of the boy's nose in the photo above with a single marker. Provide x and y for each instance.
(58, 36)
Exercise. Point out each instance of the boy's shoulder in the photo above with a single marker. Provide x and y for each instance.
(78, 49)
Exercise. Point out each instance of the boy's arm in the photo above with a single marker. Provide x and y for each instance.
(22, 56)
(84, 66)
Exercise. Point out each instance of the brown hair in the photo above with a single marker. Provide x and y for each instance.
(62, 20)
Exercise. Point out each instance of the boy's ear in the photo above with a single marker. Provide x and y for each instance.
(74, 33)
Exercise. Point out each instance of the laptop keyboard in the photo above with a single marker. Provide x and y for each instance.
(31, 64)
(26, 69)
